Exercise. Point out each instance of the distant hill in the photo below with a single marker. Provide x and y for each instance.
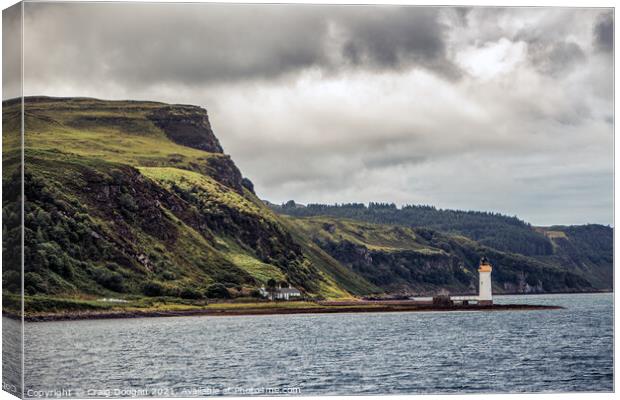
(586, 250)
(494, 230)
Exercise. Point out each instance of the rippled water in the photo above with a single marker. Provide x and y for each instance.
(395, 353)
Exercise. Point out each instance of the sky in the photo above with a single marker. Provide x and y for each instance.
(497, 109)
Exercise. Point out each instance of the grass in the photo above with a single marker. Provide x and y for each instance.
(112, 131)
(257, 269)
(386, 238)
(114, 145)
(556, 235)
(214, 191)
(330, 290)
(48, 304)
(42, 306)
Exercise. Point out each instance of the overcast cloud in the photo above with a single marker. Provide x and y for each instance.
(507, 110)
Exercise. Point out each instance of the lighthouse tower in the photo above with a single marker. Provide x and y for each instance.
(485, 292)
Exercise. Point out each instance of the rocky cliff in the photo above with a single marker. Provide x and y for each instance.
(131, 198)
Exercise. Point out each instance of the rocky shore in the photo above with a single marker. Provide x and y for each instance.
(321, 309)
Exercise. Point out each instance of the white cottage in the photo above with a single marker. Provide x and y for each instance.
(281, 293)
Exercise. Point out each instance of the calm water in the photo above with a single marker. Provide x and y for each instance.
(397, 353)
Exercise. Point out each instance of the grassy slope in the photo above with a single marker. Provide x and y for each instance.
(350, 281)
(421, 260)
(500, 232)
(181, 244)
(585, 249)
(112, 131)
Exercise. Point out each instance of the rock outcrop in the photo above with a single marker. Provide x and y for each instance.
(188, 126)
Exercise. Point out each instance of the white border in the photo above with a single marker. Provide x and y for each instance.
(488, 3)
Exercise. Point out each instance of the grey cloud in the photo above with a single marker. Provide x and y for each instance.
(395, 38)
(392, 160)
(462, 14)
(604, 32)
(143, 44)
(555, 58)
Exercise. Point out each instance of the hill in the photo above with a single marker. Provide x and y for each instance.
(423, 261)
(491, 229)
(131, 198)
(585, 250)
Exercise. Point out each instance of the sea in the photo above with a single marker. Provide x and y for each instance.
(561, 350)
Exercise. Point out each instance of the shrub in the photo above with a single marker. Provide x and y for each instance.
(11, 280)
(191, 293)
(127, 202)
(169, 276)
(152, 289)
(110, 280)
(217, 291)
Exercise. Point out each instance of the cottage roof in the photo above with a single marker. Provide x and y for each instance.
(289, 291)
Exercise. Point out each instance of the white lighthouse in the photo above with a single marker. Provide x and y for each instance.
(485, 290)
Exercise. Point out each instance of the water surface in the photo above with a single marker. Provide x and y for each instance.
(336, 354)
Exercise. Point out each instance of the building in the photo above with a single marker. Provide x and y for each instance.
(485, 289)
(485, 286)
(287, 294)
(280, 293)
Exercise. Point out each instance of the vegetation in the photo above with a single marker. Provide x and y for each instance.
(585, 250)
(217, 291)
(121, 204)
(490, 229)
(421, 260)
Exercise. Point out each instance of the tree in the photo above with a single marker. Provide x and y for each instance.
(153, 289)
(217, 291)
(272, 287)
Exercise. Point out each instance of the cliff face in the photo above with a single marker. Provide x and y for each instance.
(404, 271)
(188, 126)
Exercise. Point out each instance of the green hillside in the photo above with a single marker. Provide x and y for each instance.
(120, 204)
(586, 250)
(491, 229)
(419, 260)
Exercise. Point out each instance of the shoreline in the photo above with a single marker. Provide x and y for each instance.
(366, 308)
